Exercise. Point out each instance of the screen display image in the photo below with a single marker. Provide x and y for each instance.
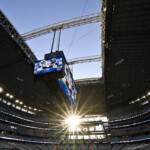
(68, 86)
(48, 66)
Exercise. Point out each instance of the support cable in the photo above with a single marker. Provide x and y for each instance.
(76, 29)
(59, 40)
(53, 42)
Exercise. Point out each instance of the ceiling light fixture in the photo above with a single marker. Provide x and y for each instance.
(21, 103)
(7, 94)
(148, 93)
(11, 96)
(17, 101)
(1, 89)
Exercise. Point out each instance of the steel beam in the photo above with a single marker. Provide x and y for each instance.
(92, 18)
(86, 59)
(5, 23)
(89, 81)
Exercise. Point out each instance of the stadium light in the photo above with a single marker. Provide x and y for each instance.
(11, 96)
(17, 101)
(104, 9)
(137, 100)
(21, 103)
(1, 89)
(7, 94)
(72, 122)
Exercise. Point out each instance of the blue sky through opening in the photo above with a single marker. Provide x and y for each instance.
(31, 14)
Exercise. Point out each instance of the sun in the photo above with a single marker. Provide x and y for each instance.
(72, 122)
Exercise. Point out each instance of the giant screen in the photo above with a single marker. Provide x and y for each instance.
(68, 86)
(48, 66)
(66, 83)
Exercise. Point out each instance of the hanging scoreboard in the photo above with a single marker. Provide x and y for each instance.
(55, 71)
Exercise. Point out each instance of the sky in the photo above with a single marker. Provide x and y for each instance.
(27, 15)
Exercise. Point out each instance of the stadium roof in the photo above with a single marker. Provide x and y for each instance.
(126, 63)
(91, 96)
(16, 68)
(126, 42)
(16, 77)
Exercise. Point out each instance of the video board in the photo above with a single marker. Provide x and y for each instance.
(55, 68)
(48, 66)
(68, 86)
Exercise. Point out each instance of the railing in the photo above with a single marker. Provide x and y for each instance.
(80, 142)
(132, 117)
(33, 121)
(27, 126)
(94, 122)
(129, 125)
